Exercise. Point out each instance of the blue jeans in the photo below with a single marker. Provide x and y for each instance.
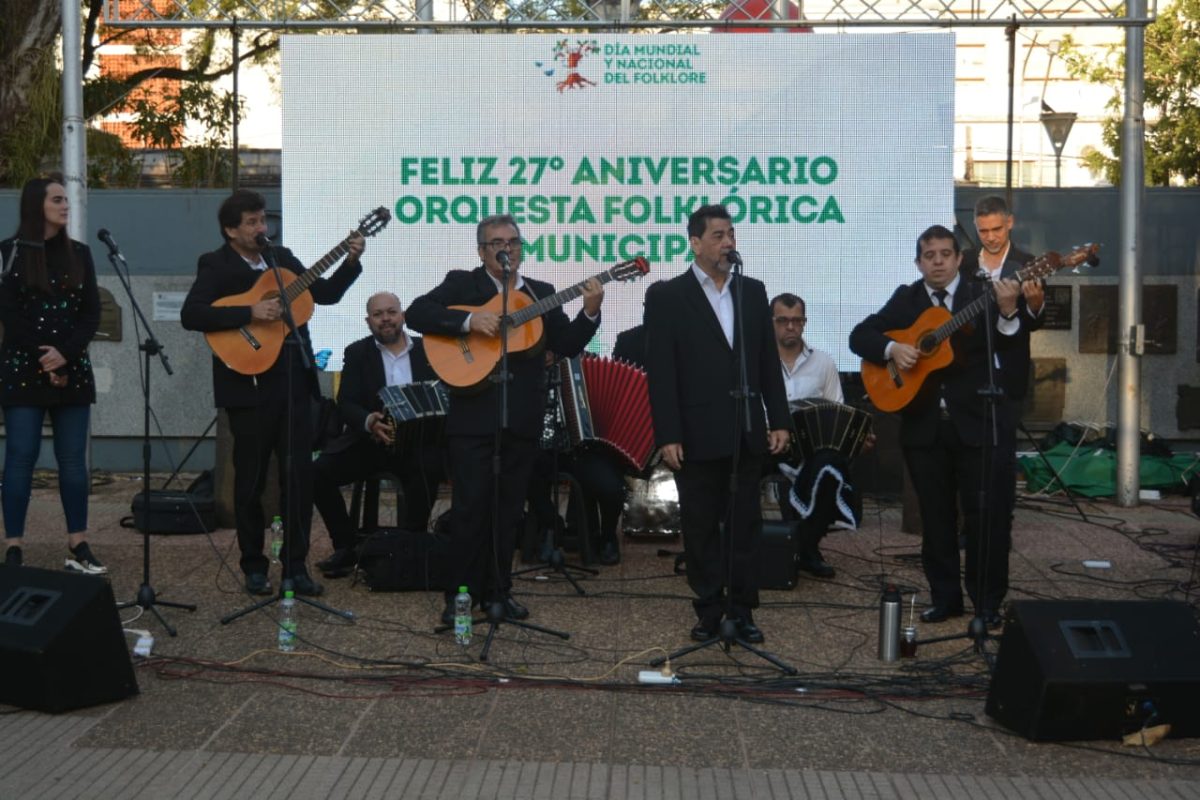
(23, 442)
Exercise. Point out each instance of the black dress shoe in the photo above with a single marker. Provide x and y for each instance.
(610, 555)
(940, 613)
(448, 612)
(302, 584)
(816, 566)
(705, 630)
(749, 632)
(340, 564)
(513, 609)
(257, 583)
(992, 619)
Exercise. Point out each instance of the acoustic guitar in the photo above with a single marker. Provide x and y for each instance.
(252, 349)
(466, 360)
(892, 388)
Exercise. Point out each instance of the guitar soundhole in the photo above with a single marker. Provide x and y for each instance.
(927, 344)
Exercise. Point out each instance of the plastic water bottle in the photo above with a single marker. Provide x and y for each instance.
(276, 538)
(462, 616)
(287, 622)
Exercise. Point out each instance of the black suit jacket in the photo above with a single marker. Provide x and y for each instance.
(475, 414)
(692, 369)
(362, 378)
(1014, 361)
(959, 383)
(223, 272)
(631, 346)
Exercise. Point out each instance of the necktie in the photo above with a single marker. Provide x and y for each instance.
(940, 295)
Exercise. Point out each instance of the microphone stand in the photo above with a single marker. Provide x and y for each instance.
(291, 513)
(728, 633)
(553, 556)
(146, 598)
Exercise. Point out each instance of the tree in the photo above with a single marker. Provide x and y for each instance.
(30, 91)
(1172, 97)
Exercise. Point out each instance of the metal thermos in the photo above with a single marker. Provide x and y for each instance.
(889, 625)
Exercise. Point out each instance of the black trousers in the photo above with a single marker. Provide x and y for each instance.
(258, 432)
(419, 471)
(601, 481)
(483, 562)
(703, 501)
(949, 475)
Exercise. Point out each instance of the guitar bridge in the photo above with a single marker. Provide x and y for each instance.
(250, 338)
(897, 379)
(465, 349)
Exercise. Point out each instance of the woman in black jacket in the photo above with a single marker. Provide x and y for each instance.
(50, 308)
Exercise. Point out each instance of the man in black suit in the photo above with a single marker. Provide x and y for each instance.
(388, 357)
(474, 417)
(692, 364)
(257, 405)
(1001, 259)
(944, 428)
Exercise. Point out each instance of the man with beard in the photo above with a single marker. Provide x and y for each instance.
(388, 357)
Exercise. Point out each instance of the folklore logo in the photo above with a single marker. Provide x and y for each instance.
(571, 56)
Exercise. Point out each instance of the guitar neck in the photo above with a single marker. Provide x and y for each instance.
(555, 300)
(310, 276)
(962, 317)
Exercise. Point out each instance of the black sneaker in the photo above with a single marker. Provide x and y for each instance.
(13, 556)
(82, 560)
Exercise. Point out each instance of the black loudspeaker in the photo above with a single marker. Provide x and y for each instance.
(394, 560)
(61, 643)
(1088, 669)
(776, 556)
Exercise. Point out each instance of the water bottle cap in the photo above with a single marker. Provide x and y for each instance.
(277, 518)
(462, 590)
(289, 595)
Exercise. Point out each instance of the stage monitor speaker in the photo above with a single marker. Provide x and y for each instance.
(61, 643)
(1095, 669)
(776, 556)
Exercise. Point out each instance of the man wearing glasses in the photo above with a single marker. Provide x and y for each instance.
(807, 374)
(473, 418)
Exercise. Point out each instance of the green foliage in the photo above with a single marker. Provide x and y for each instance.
(1172, 97)
(202, 160)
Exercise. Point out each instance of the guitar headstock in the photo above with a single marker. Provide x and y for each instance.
(374, 222)
(628, 270)
(1052, 262)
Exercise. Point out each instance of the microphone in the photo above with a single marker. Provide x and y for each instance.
(106, 237)
(502, 257)
(262, 241)
(734, 257)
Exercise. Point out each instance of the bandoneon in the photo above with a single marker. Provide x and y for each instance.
(608, 401)
(418, 412)
(824, 424)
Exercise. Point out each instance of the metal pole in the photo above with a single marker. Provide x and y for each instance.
(425, 13)
(1130, 330)
(1058, 170)
(237, 117)
(1011, 32)
(74, 133)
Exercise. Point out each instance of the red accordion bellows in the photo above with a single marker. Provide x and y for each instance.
(608, 401)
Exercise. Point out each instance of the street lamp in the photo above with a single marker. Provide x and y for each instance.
(617, 10)
(1058, 128)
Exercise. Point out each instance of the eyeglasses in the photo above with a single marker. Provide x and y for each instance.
(504, 244)
(790, 322)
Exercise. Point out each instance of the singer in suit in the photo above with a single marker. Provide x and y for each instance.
(944, 429)
(474, 417)
(50, 308)
(388, 357)
(692, 365)
(257, 406)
